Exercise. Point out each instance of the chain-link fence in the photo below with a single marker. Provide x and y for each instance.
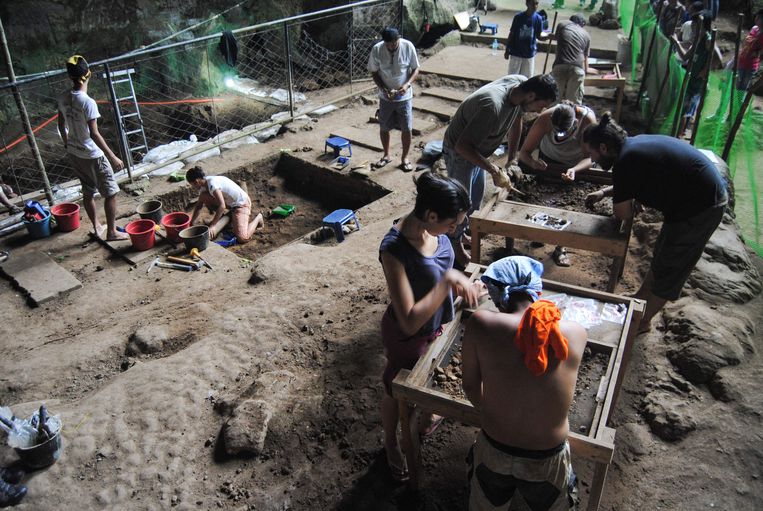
(193, 96)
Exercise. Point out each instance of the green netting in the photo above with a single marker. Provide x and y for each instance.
(719, 109)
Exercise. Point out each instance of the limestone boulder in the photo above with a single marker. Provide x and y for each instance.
(702, 338)
(725, 271)
(147, 339)
(245, 431)
(668, 415)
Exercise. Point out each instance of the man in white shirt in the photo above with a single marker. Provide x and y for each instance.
(394, 66)
(221, 194)
(88, 152)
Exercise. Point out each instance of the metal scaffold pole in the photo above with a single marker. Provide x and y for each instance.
(24, 116)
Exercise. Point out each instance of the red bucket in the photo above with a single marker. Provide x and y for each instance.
(142, 233)
(173, 223)
(67, 216)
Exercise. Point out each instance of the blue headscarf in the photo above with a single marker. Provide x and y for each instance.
(513, 274)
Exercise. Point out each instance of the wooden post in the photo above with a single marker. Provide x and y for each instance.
(552, 35)
(740, 20)
(698, 113)
(24, 117)
(740, 115)
(700, 35)
(647, 64)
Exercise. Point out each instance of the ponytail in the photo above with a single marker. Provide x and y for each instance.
(606, 132)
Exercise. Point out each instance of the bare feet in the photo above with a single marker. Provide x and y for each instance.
(117, 236)
(396, 464)
(100, 230)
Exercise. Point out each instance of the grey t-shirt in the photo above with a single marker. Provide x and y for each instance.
(572, 44)
(485, 116)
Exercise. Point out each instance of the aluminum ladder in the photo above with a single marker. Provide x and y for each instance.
(127, 112)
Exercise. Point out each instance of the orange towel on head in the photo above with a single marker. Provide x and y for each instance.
(538, 329)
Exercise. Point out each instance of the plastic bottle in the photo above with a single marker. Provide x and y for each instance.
(494, 47)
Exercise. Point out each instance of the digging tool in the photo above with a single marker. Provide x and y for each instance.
(195, 253)
(196, 265)
(171, 266)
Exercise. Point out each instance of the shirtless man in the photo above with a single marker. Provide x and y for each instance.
(520, 367)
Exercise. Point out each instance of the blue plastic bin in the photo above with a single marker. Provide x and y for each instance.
(40, 228)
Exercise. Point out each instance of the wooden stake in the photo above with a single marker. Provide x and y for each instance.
(740, 115)
(647, 64)
(740, 20)
(551, 36)
(698, 113)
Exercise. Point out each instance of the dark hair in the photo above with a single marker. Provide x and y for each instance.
(442, 195)
(758, 14)
(195, 173)
(606, 132)
(544, 87)
(390, 34)
(563, 116)
(696, 6)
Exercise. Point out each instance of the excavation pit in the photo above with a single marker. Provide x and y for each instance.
(313, 189)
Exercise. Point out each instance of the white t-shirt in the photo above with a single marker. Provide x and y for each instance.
(232, 193)
(686, 33)
(79, 108)
(395, 67)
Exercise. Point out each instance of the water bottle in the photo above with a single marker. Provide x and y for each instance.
(494, 47)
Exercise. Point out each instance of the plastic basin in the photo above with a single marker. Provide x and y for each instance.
(151, 210)
(195, 237)
(173, 223)
(39, 228)
(66, 215)
(41, 455)
(142, 234)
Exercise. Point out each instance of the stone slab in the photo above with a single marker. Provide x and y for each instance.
(450, 94)
(364, 137)
(443, 109)
(38, 277)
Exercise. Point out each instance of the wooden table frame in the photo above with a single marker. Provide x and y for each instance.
(594, 233)
(413, 389)
(618, 83)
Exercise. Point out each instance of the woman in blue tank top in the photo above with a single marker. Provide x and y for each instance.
(417, 259)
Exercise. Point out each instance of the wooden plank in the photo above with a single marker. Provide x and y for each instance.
(444, 110)
(444, 93)
(435, 352)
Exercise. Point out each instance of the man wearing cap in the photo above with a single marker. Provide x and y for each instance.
(573, 44)
(90, 156)
(520, 366)
(488, 117)
(394, 66)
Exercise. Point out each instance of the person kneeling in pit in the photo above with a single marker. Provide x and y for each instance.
(523, 391)
(221, 195)
(557, 133)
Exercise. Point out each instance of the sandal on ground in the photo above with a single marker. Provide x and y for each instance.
(433, 425)
(560, 257)
(406, 166)
(398, 473)
(382, 162)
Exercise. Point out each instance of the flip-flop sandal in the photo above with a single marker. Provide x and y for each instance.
(406, 166)
(561, 258)
(432, 427)
(381, 163)
(398, 473)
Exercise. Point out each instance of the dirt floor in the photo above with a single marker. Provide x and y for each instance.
(297, 328)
